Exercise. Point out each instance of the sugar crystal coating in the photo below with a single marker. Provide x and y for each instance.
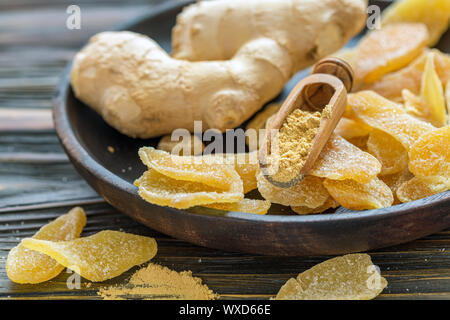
(430, 155)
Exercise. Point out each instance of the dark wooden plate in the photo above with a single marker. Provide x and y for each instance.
(86, 137)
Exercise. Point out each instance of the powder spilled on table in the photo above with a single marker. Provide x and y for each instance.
(156, 282)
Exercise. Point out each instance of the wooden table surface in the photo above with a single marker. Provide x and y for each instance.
(38, 183)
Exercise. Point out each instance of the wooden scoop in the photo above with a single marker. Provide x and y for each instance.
(328, 84)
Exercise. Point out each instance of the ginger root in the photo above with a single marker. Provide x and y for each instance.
(230, 57)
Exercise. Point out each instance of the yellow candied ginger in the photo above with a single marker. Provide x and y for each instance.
(410, 77)
(388, 49)
(189, 168)
(360, 196)
(246, 165)
(435, 14)
(340, 160)
(245, 206)
(394, 181)
(310, 192)
(165, 191)
(349, 128)
(99, 257)
(24, 265)
(392, 155)
(421, 187)
(432, 94)
(387, 116)
(329, 203)
(349, 277)
(430, 155)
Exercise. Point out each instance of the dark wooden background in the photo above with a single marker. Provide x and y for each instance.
(38, 183)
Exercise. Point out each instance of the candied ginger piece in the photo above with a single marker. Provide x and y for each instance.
(410, 77)
(432, 94)
(360, 142)
(349, 128)
(99, 257)
(349, 277)
(421, 187)
(246, 165)
(190, 168)
(430, 155)
(189, 145)
(394, 181)
(330, 203)
(413, 104)
(245, 206)
(387, 116)
(388, 49)
(310, 192)
(360, 196)
(165, 191)
(28, 266)
(340, 160)
(392, 155)
(435, 14)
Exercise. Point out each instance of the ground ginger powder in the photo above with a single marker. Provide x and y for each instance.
(156, 282)
(295, 140)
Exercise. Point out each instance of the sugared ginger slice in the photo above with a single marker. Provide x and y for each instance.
(360, 196)
(388, 116)
(330, 203)
(245, 206)
(391, 153)
(421, 187)
(28, 266)
(389, 49)
(435, 14)
(309, 192)
(432, 94)
(191, 168)
(99, 257)
(430, 155)
(340, 160)
(165, 191)
(349, 277)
